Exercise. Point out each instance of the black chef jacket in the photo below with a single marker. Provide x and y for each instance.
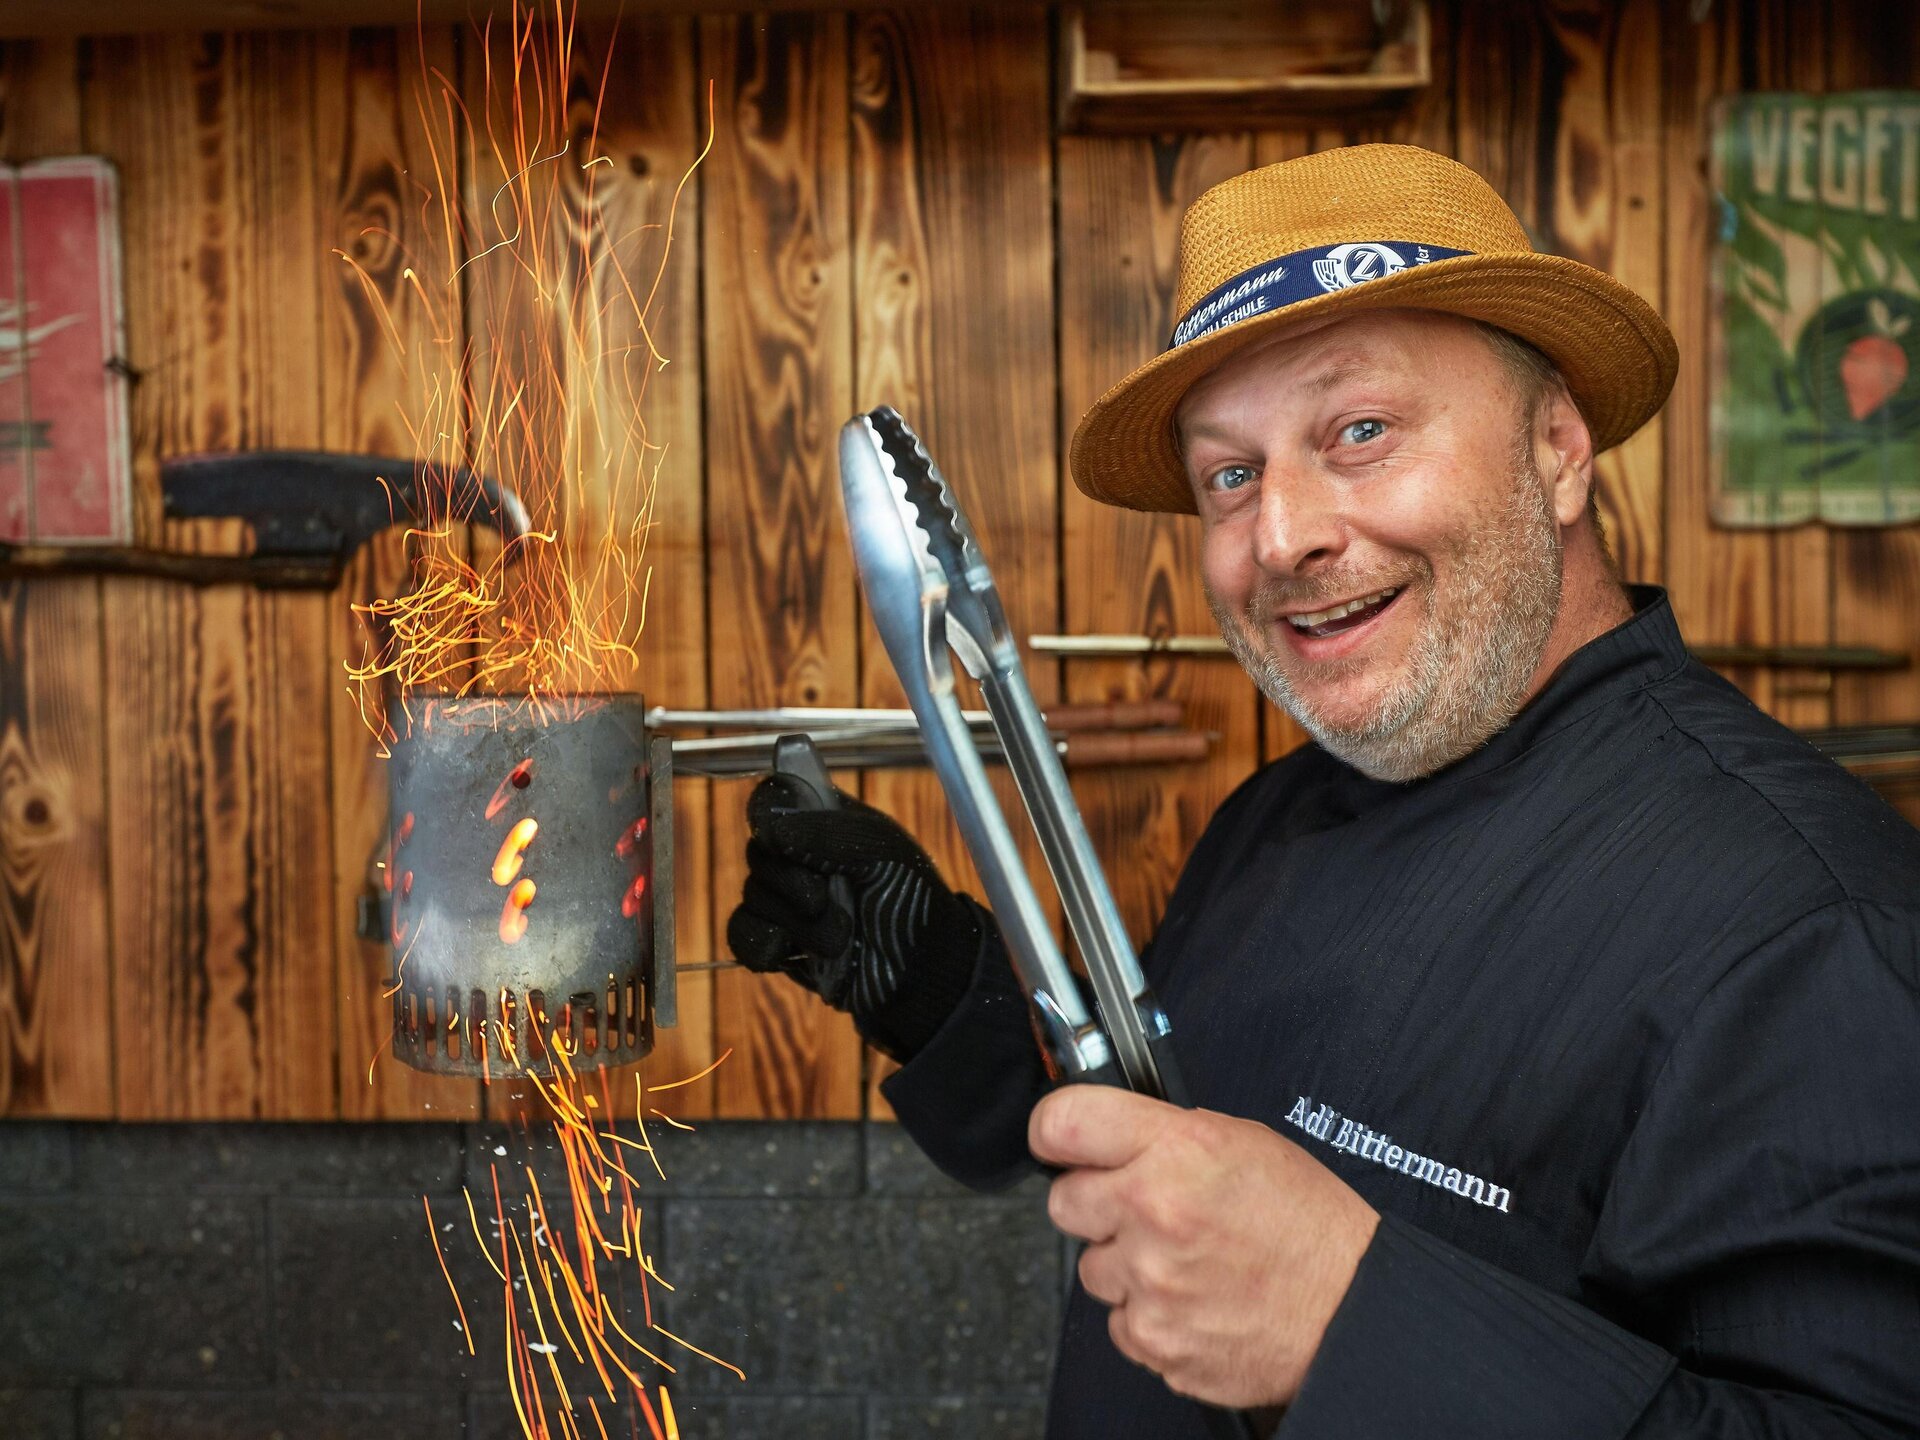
(1616, 1022)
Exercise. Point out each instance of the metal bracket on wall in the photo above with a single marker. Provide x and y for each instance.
(309, 511)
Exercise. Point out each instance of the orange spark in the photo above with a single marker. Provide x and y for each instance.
(700, 1075)
(688, 1344)
(646, 1408)
(528, 322)
(474, 1218)
(434, 1236)
(526, 317)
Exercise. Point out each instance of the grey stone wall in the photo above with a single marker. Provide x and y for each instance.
(199, 1282)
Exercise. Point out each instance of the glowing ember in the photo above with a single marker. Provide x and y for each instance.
(400, 837)
(636, 893)
(630, 838)
(513, 915)
(513, 850)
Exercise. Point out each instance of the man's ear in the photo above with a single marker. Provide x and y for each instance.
(1563, 446)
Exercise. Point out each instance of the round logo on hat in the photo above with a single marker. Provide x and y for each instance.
(1351, 264)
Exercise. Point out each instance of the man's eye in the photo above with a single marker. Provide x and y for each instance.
(1232, 477)
(1361, 431)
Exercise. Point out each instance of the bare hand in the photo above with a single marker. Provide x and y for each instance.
(1222, 1248)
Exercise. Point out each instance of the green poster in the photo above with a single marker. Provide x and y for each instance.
(1816, 334)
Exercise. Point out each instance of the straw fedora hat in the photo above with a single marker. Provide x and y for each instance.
(1365, 228)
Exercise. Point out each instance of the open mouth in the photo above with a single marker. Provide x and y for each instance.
(1348, 615)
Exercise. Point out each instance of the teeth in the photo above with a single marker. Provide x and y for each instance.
(1321, 617)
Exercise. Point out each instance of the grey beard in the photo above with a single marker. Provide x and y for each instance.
(1471, 668)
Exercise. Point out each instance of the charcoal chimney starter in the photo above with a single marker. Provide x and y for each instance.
(528, 883)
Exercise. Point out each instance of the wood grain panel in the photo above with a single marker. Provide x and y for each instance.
(1607, 212)
(385, 359)
(31, 18)
(217, 731)
(607, 364)
(1503, 80)
(779, 383)
(1120, 206)
(1427, 119)
(56, 1054)
(1791, 54)
(1714, 577)
(1877, 572)
(39, 99)
(953, 267)
(1745, 587)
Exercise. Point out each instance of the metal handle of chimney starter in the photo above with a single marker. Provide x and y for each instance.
(796, 759)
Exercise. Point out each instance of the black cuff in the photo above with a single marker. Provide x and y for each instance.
(1432, 1341)
(965, 1097)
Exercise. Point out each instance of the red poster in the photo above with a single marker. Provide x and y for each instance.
(70, 423)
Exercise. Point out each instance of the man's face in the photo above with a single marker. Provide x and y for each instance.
(1378, 542)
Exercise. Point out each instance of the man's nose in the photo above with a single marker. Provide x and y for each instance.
(1300, 524)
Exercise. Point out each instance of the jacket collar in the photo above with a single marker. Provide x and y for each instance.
(1636, 653)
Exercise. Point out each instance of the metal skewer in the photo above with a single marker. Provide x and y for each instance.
(722, 756)
(796, 719)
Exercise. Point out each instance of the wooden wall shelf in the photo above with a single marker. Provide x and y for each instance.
(1216, 65)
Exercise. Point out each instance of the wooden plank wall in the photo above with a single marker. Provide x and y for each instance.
(187, 797)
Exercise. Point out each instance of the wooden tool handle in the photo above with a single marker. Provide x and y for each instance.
(1126, 747)
(1115, 715)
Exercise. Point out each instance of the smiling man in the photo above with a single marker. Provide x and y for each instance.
(1551, 1019)
(1404, 629)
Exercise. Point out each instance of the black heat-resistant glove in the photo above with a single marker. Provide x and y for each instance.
(900, 951)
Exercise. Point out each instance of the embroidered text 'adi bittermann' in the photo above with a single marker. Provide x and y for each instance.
(1357, 1139)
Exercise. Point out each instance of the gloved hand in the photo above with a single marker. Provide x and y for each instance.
(897, 955)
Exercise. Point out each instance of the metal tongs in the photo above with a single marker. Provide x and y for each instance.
(932, 596)
(930, 593)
